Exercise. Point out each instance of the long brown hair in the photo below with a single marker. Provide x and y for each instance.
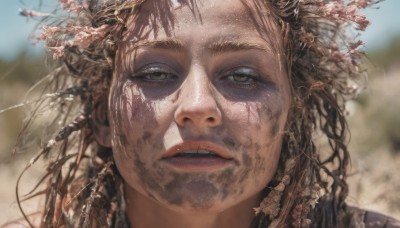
(82, 187)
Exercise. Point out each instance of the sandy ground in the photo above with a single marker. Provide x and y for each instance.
(375, 183)
(8, 177)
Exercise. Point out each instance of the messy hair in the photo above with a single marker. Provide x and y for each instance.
(82, 186)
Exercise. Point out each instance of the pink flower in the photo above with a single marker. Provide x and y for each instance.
(57, 51)
(72, 6)
(362, 22)
(82, 36)
(356, 45)
(85, 35)
(362, 4)
(48, 32)
(338, 11)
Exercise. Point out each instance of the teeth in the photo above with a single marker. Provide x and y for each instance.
(196, 153)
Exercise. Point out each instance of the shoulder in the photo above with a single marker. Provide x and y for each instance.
(370, 219)
(373, 219)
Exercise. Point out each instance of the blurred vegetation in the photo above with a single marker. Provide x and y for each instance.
(16, 77)
(387, 57)
(378, 119)
(25, 69)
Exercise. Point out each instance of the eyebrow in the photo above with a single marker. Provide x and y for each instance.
(214, 47)
(233, 45)
(169, 44)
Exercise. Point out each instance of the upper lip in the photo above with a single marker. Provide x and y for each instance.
(197, 145)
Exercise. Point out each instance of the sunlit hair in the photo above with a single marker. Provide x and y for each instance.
(82, 187)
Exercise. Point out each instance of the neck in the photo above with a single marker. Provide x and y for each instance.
(144, 212)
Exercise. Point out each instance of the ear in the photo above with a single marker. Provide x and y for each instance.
(100, 125)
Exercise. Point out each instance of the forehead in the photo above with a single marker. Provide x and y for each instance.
(245, 18)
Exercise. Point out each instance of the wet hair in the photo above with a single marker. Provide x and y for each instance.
(82, 186)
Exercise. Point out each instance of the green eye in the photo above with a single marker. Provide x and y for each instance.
(243, 75)
(241, 78)
(157, 76)
(154, 74)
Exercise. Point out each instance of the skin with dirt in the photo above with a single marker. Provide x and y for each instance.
(203, 83)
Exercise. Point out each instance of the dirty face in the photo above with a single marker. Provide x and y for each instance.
(197, 110)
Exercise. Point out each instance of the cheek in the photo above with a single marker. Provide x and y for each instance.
(258, 127)
(132, 119)
(136, 124)
(133, 111)
(259, 162)
(262, 121)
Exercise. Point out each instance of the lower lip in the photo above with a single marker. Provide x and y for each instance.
(198, 164)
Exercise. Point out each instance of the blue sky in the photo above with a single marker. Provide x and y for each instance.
(16, 30)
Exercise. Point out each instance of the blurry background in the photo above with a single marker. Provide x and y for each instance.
(374, 117)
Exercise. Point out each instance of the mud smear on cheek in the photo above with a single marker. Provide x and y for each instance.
(198, 190)
(144, 175)
(142, 112)
(227, 183)
(146, 136)
(247, 163)
(275, 119)
(194, 190)
(234, 183)
(259, 166)
(229, 142)
(269, 112)
(187, 189)
(275, 129)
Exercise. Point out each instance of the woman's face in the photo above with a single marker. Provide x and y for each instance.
(197, 111)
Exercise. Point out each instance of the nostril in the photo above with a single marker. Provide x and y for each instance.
(210, 119)
(186, 119)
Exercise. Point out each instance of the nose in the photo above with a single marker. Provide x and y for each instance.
(197, 104)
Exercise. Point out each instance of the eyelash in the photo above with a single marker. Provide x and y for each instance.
(252, 77)
(146, 74)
